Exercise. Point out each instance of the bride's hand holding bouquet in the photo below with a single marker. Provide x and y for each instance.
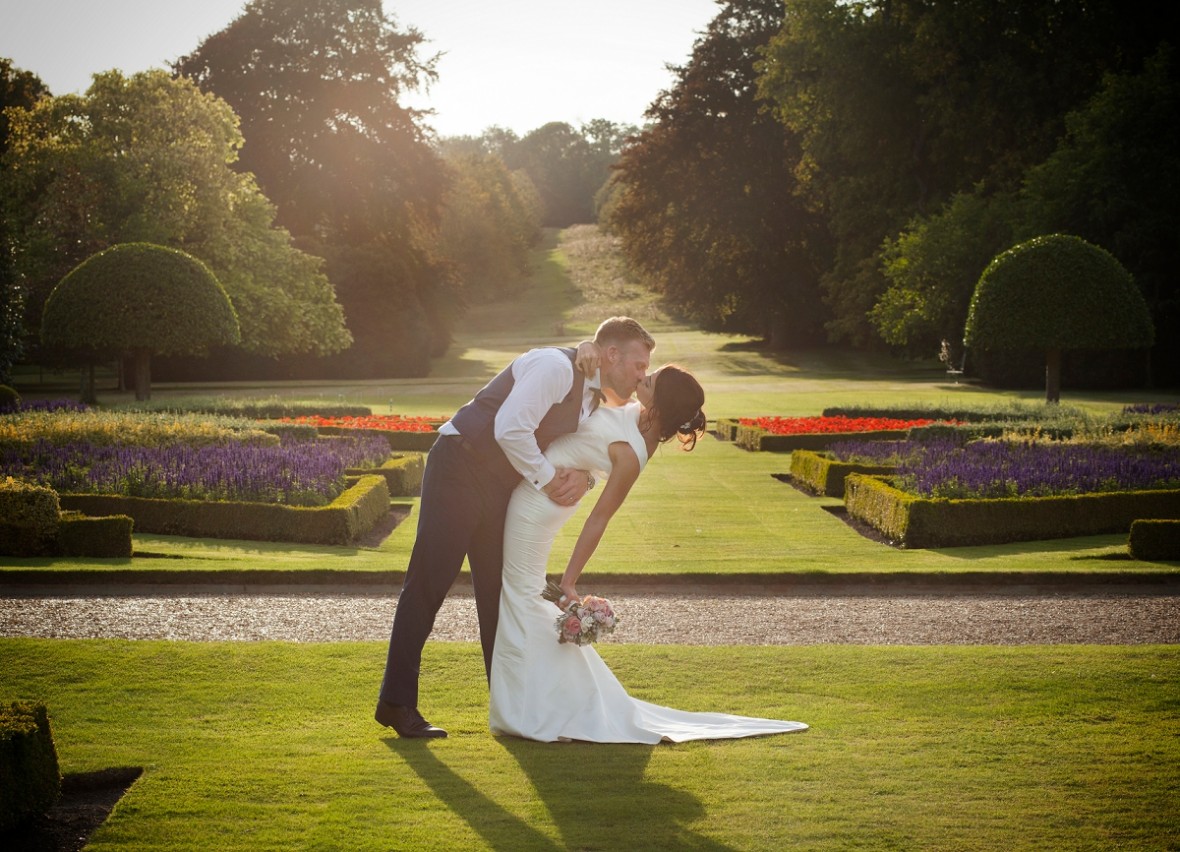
(583, 620)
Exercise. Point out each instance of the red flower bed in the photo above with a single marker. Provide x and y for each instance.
(827, 425)
(386, 422)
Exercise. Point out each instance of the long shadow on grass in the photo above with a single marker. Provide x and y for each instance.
(584, 785)
(499, 828)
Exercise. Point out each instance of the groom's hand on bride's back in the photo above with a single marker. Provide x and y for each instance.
(567, 486)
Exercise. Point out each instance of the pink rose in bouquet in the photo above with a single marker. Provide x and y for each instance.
(570, 627)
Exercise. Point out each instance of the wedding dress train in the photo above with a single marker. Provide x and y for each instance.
(548, 691)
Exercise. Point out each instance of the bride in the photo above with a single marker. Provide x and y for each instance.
(543, 690)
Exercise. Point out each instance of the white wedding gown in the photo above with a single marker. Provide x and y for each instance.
(544, 690)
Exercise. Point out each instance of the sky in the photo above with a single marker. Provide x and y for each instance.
(518, 64)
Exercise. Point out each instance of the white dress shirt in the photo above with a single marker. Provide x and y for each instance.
(540, 379)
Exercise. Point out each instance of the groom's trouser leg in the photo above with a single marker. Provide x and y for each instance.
(452, 513)
(486, 559)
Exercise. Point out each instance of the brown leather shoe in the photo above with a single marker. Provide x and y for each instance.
(407, 721)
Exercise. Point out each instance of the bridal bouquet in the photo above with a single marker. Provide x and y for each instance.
(582, 623)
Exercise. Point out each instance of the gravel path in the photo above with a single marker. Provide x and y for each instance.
(1119, 617)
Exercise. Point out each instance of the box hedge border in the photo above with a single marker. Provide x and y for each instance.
(757, 439)
(912, 521)
(1155, 540)
(106, 538)
(30, 778)
(403, 474)
(398, 441)
(821, 474)
(350, 515)
(725, 428)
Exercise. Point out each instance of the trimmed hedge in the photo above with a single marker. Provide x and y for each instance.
(30, 779)
(403, 474)
(420, 442)
(977, 414)
(34, 525)
(105, 538)
(758, 439)
(253, 409)
(912, 521)
(824, 475)
(1155, 540)
(726, 428)
(30, 518)
(350, 515)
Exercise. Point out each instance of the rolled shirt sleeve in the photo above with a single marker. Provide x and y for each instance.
(541, 379)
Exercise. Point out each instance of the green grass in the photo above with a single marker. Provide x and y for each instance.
(272, 746)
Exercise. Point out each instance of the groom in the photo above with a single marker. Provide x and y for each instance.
(482, 452)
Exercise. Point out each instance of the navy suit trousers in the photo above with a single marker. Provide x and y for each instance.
(461, 514)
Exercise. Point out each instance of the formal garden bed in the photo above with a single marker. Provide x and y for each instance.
(945, 486)
(208, 475)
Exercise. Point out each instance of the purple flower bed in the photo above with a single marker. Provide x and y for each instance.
(297, 473)
(1152, 408)
(46, 405)
(984, 469)
(881, 452)
(1013, 469)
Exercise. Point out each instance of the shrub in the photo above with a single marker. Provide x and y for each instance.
(1155, 540)
(1056, 293)
(30, 780)
(9, 399)
(824, 475)
(105, 538)
(912, 521)
(140, 298)
(982, 413)
(403, 474)
(271, 408)
(726, 428)
(28, 518)
(351, 514)
(419, 442)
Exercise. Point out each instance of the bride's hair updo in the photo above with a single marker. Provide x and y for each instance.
(676, 406)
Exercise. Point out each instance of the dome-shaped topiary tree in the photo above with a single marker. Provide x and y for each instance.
(143, 299)
(1054, 293)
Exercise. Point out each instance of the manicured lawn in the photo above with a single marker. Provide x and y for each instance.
(272, 746)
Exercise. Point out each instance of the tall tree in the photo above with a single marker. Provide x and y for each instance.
(706, 200)
(17, 89)
(148, 158)
(559, 160)
(491, 218)
(1113, 179)
(901, 104)
(319, 85)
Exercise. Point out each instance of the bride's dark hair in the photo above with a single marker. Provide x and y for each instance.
(676, 406)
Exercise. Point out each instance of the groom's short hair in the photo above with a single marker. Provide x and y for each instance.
(618, 331)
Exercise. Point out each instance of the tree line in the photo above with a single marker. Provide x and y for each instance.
(845, 171)
(819, 171)
(347, 236)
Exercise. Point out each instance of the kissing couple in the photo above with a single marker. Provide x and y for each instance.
(507, 471)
